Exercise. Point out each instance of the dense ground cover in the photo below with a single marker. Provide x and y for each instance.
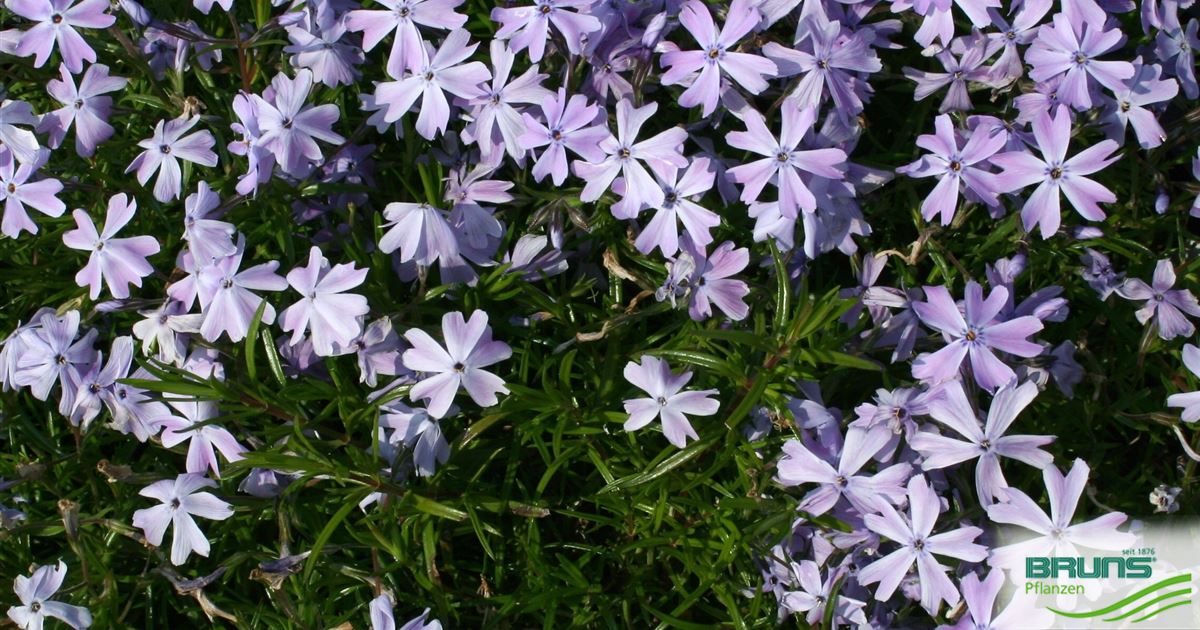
(314, 311)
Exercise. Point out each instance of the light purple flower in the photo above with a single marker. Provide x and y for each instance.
(35, 592)
(226, 296)
(413, 431)
(96, 385)
(1070, 49)
(987, 444)
(261, 161)
(382, 617)
(84, 106)
(498, 125)
(967, 67)
(205, 6)
(712, 282)
(205, 438)
(208, 239)
(813, 596)
(666, 401)
(1190, 401)
(955, 167)
(800, 466)
(1175, 41)
(469, 348)
(717, 58)
(1129, 105)
(676, 207)
(403, 17)
(974, 337)
(422, 233)
(783, 161)
(1168, 307)
(56, 24)
(981, 614)
(939, 22)
(180, 501)
(54, 355)
(1056, 536)
(568, 125)
(1054, 173)
(115, 262)
(290, 129)
(529, 26)
(17, 192)
(917, 545)
(324, 49)
(325, 309)
(21, 142)
(1020, 32)
(1099, 273)
(377, 350)
(163, 151)
(624, 155)
(830, 58)
(165, 330)
(446, 71)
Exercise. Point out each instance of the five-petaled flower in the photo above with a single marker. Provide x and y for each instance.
(180, 502)
(666, 401)
(469, 349)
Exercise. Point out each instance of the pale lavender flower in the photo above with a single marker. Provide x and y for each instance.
(23, 144)
(956, 167)
(208, 239)
(783, 161)
(115, 262)
(624, 155)
(17, 192)
(1054, 173)
(1099, 273)
(939, 22)
(165, 330)
(96, 385)
(1168, 307)
(894, 409)
(1190, 401)
(422, 233)
(535, 258)
(1177, 42)
(84, 106)
(325, 310)
(917, 545)
(666, 401)
(35, 592)
(382, 617)
(529, 26)
(974, 337)
(290, 128)
(988, 443)
(1011, 36)
(180, 501)
(1164, 498)
(712, 282)
(497, 125)
(377, 350)
(205, 440)
(54, 355)
(800, 466)
(163, 151)
(1070, 49)
(261, 161)
(981, 614)
(226, 296)
(676, 208)
(1129, 105)
(403, 17)
(414, 431)
(568, 125)
(901, 328)
(717, 58)
(830, 64)
(469, 348)
(447, 70)
(205, 6)
(813, 596)
(1056, 536)
(321, 49)
(56, 24)
(968, 66)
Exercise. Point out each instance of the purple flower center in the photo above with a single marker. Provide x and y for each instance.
(429, 75)
(972, 335)
(823, 64)
(556, 134)
(1158, 297)
(715, 52)
(175, 504)
(1056, 172)
(919, 544)
(782, 156)
(94, 388)
(60, 359)
(985, 444)
(1010, 34)
(1125, 106)
(670, 197)
(403, 12)
(545, 8)
(12, 188)
(955, 166)
(287, 124)
(165, 148)
(162, 319)
(1080, 58)
(57, 18)
(122, 394)
(840, 481)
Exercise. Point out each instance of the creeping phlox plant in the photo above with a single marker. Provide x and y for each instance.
(587, 313)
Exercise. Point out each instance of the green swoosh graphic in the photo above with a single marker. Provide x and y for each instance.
(1134, 611)
(1164, 608)
(1171, 581)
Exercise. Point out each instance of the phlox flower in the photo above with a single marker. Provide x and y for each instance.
(918, 545)
(56, 24)
(529, 26)
(17, 192)
(939, 21)
(95, 385)
(783, 161)
(382, 617)
(446, 70)
(261, 161)
(1070, 49)
(423, 235)
(980, 597)
(23, 144)
(624, 155)
(974, 337)
(1012, 36)
(469, 349)
(1054, 173)
(968, 66)
(208, 239)
(321, 49)
(1056, 536)
(987, 444)
(1099, 273)
(289, 128)
(1129, 105)
(1166, 306)
(194, 425)
(115, 262)
(325, 310)
(1180, 42)
(498, 125)
(226, 295)
(180, 502)
(568, 124)
(955, 167)
(413, 431)
(403, 17)
(377, 351)
(85, 106)
(163, 151)
(845, 481)
(666, 401)
(676, 208)
(205, 6)
(35, 592)
(814, 594)
(717, 58)
(829, 60)
(1190, 401)
(55, 355)
(164, 331)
